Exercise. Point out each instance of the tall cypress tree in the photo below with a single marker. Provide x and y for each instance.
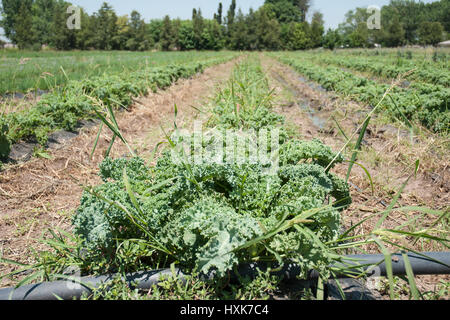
(166, 34)
(198, 26)
(304, 6)
(23, 25)
(317, 29)
(138, 33)
(219, 15)
(106, 20)
(231, 13)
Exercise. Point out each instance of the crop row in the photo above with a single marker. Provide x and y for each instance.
(424, 72)
(213, 215)
(435, 56)
(66, 106)
(21, 71)
(421, 102)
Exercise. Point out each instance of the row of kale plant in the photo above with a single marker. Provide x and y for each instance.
(424, 103)
(66, 106)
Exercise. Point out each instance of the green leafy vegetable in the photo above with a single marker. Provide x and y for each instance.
(205, 213)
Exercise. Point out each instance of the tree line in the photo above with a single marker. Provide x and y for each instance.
(276, 25)
(403, 22)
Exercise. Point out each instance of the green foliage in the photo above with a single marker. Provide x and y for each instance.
(317, 29)
(166, 36)
(138, 39)
(211, 216)
(219, 16)
(203, 224)
(5, 145)
(296, 36)
(205, 213)
(43, 22)
(394, 35)
(331, 39)
(65, 107)
(431, 33)
(385, 67)
(421, 102)
(62, 38)
(284, 10)
(25, 71)
(185, 39)
(402, 22)
(32, 23)
(43, 11)
(106, 23)
(10, 10)
(23, 25)
(231, 13)
(171, 287)
(246, 102)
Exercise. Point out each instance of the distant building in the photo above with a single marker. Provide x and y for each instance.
(9, 45)
(444, 44)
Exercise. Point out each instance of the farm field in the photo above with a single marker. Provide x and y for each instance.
(361, 141)
(66, 106)
(22, 71)
(422, 100)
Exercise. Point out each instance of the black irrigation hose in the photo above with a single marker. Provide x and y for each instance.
(433, 263)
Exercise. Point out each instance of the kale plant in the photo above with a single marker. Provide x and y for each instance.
(213, 215)
(201, 213)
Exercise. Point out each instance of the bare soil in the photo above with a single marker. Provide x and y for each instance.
(44, 193)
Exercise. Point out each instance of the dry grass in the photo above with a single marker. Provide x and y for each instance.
(10, 105)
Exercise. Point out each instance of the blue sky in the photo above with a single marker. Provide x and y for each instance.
(333, 10)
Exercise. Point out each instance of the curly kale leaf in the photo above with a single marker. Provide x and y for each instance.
(296, 151)
(206, 234)
(113, 169)
(97, 221)
(203, 222)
